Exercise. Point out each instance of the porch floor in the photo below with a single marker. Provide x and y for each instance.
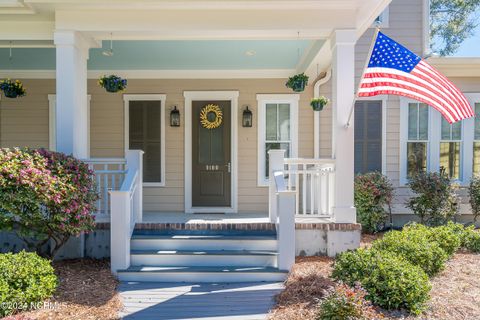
(204, 301)
(200, 218)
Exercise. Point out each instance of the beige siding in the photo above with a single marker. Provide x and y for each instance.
(24, 122)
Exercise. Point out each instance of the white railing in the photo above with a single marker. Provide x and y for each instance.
(313, 182)
(126, 210)
(109, 176)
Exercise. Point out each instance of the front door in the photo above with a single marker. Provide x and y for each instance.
(211, 154)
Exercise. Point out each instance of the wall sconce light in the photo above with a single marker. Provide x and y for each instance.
(175, 117)
(247, 118)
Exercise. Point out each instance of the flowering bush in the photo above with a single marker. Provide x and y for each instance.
(373, 192)
(12, 89)
(345, 302)
(45, 196)
(113, 83)
(436, 201)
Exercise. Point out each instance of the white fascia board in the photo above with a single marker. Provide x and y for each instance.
(160, 74)
(456, 67)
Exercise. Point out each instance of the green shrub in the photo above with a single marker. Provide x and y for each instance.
(416, 246)
(373, 192)
(343, 303)
(448, 237)
(25, 279)
(474, 194)
(390, 280)
(471, 240)
(436, 200)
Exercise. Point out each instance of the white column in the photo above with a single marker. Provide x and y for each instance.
(343, 92)
(71, 109)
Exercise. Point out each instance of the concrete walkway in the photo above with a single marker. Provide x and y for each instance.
(245, 301)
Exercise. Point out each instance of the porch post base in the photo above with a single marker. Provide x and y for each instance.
(340, 241)
(345, 214)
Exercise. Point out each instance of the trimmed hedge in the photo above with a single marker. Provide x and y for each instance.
(390, 280)
(417, 247)
(25, 279)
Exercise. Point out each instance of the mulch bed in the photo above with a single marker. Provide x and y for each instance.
(455, 292)
(87, 290)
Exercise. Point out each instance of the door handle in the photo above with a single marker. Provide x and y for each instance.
(229, 167)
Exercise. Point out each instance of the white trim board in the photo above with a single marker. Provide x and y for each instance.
(148, 97)
(262, 100)
(191, 96)
(52, 118)
(160, 74)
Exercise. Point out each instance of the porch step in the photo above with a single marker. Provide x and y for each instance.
(170, 258)
(202, 274)
(203, 242)
(172, 255)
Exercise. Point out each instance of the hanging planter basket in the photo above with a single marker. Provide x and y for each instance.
(113, 83)
(318, 103)
(12, 89)
(298, 82)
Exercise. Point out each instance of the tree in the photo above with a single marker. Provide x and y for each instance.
(451, 22)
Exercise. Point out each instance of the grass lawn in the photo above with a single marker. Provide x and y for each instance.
(86, 291)
(455, 291)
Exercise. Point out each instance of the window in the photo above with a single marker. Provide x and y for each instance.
(145, 130)
(277, 129)
(476, 142)
(368, 136)
(450, 148)
(429, 142)
(417, 138)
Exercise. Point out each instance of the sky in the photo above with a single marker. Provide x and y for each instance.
(471, 46)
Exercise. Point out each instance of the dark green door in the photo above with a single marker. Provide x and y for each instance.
(211, 156)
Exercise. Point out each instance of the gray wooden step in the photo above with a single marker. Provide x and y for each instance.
(201, 274)
(235, 258)
(203, 242)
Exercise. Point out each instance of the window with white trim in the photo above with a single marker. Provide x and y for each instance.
(417, 142)
(429, 142)
(277, 129)
(145, 130)
(476, 141)
(450, 149)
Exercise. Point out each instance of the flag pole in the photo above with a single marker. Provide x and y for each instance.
(374, 39)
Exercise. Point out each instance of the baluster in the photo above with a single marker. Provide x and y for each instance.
(297, 192)
(304, 190)
(105, 188)
(312, 193)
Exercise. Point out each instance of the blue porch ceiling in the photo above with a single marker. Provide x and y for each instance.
(172, 55)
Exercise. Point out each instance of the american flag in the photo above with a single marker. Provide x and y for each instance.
(393, 69)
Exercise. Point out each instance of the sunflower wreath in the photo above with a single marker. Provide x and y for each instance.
(204, 119)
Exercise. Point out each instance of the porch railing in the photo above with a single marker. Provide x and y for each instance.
(109, 175)
(312, 180)
(126, 210)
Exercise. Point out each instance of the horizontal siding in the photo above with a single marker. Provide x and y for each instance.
(24, 122)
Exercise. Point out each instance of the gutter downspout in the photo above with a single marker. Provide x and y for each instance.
(316, 118)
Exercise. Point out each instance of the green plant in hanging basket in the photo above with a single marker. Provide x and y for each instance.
(298, 82)
(318, 103)
(113, 83)
(12, 89)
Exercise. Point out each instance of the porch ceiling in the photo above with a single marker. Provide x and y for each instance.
(175, 55)
(276, 24)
